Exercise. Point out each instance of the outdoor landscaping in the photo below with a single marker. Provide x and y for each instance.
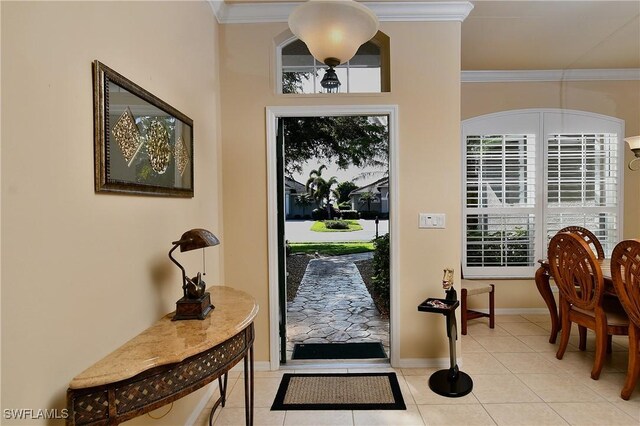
(365, 267)
(296, 266)
(336, 226)
(331, 248)
(375, 272)
(356, 142)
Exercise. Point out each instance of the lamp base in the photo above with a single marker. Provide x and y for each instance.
(450, 383)
(187, 309)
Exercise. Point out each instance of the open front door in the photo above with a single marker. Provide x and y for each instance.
(282, 274)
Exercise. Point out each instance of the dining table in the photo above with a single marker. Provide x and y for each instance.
(544, 287)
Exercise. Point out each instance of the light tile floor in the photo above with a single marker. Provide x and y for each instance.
(517, 381)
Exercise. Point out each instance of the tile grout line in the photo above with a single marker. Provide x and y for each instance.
(549, 404)
(523, 383)
(602, 392)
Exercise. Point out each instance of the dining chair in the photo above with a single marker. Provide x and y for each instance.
(579, 278)
(625, 272)
(589, 237)
(595, 246)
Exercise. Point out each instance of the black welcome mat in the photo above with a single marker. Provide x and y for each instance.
(338, 350)
(354, 391)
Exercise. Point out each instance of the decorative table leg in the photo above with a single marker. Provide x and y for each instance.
(248, 387)
(222, 385)
(542, 282)
(251, 383)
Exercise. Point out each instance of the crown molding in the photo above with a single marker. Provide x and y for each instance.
(420, 11)
(243, 13)
(550, 75)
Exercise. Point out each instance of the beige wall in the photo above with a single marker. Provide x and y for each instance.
(620, 99)
(425, 61)
(81, 272)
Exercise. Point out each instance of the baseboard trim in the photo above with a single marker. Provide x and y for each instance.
(259, 366)
(202, 404)
(516, 311)
(424, 363)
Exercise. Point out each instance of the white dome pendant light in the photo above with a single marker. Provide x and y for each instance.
(333, 30)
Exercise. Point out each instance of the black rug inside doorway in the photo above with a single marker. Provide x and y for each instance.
(363, 350)
(339, 391)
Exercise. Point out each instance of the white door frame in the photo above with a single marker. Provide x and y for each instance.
(272, 115)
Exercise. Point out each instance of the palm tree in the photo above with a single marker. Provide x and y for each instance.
(304, 200)
(320, 189)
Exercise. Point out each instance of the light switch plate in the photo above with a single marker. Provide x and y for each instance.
(431, 220)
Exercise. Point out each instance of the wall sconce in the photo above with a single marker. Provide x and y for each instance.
(333, 30)
(634, 144)
(195, 302)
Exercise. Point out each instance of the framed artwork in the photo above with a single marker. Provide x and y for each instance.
(141, 144)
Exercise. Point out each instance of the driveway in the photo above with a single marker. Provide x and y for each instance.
(297, 231)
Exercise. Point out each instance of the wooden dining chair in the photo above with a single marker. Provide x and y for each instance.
(595, 246)
(578, 276)
(625, 272)
(589, 237)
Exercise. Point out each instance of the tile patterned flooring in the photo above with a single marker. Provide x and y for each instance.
(517, 381)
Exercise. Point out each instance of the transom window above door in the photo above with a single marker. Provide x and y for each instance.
(529, 173)
(367, 72)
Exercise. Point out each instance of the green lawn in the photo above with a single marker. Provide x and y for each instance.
(332, 249)
(319, 226)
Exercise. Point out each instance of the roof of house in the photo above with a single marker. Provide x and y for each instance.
(293, 185)
(372, 187)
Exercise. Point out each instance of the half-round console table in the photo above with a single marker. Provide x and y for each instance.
(168, 361)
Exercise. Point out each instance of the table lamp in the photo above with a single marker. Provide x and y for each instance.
(195, 302)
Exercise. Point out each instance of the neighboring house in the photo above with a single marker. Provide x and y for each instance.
(293, 209)
(380, 204)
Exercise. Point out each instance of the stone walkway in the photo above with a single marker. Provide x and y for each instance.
(333, 305)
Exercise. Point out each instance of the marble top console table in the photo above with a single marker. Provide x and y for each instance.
(168, 361)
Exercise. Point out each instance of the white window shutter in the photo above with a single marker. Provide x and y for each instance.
(529, 173)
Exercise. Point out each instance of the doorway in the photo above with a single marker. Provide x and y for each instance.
(280, 206)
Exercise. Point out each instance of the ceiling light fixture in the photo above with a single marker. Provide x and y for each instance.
(333, 30)
(634, 144)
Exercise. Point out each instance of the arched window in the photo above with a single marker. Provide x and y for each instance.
(367, 72)
(528, 174)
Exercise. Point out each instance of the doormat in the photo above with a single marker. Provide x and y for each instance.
(345, 391)
(338, 350)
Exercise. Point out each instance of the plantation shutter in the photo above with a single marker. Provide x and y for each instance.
(500, 202)
(583, 176)
(529, 173)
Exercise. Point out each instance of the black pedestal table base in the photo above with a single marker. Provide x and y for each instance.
(451, 382)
